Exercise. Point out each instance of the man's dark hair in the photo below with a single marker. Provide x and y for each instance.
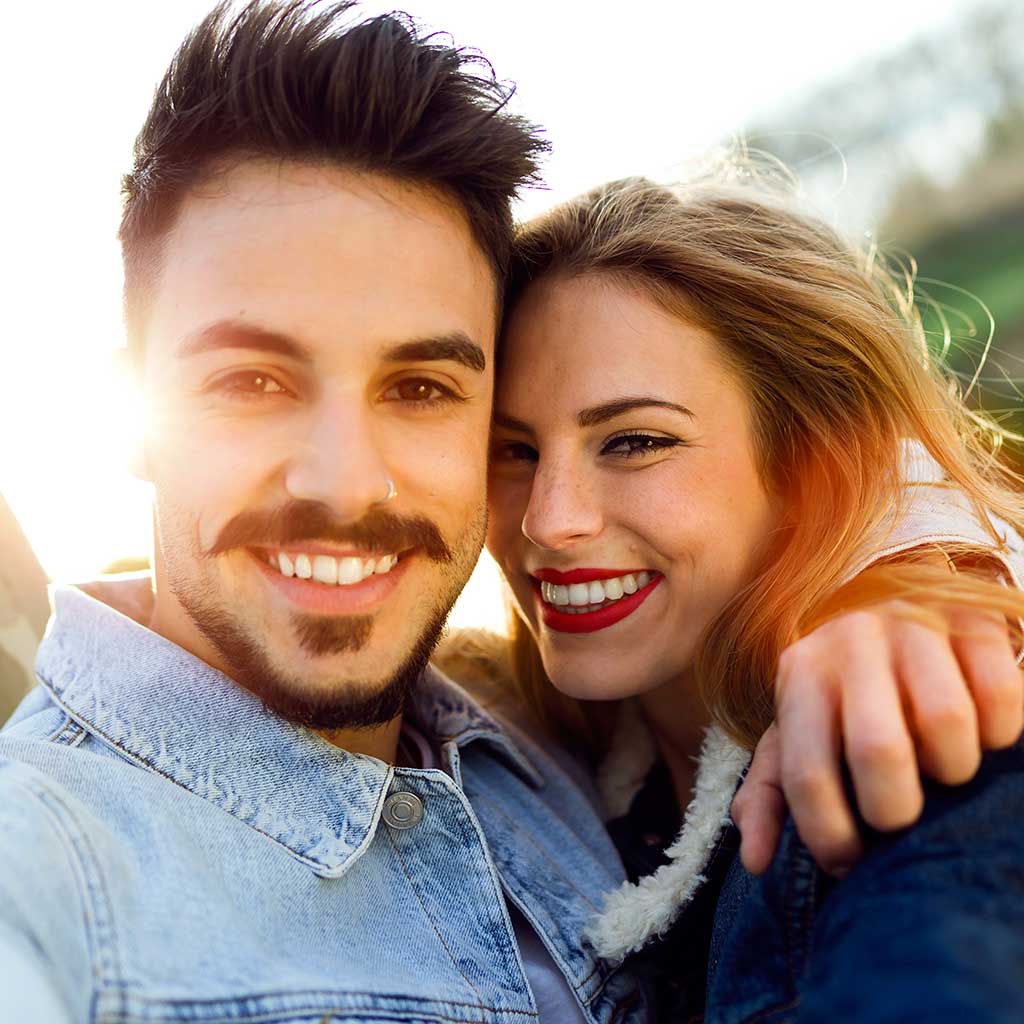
(301, 80)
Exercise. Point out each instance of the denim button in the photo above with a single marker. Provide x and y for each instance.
(403, 810)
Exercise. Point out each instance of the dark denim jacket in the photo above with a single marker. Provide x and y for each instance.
(928, 927)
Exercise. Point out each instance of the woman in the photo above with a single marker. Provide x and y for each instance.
(706, 403)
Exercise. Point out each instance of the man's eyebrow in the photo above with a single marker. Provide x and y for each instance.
(235, 334)
(456, 346)
(609, 410)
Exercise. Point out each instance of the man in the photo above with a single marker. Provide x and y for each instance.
(243, 794)
(219, 807)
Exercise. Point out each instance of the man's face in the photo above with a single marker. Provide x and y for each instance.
(314, 335)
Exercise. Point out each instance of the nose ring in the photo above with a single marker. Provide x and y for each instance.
(392, 493)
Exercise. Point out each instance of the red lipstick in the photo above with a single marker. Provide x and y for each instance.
(602, 618)
(580, 575)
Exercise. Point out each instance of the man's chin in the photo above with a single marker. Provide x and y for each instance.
(359, 705)
(342, 675)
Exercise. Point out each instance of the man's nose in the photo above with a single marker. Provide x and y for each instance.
(564, 507)
(337, 461)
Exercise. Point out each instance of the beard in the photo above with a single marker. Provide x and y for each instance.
(348, 704)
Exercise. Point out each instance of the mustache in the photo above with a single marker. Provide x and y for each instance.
(377, 533)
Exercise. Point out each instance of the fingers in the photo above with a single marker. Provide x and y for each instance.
(940, 706)
(759, 808)
(810, 759)
(895, 698)
(878, 745)
(982, 646)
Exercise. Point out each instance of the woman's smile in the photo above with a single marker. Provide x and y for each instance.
(587, 600)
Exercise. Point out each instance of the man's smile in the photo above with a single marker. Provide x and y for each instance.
(326, 585)
(341, 571)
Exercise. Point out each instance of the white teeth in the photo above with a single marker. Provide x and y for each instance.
(325, 569)
(350, 570)
(331, 571)
(577, 598)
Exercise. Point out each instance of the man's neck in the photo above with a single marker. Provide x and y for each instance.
(380, 741)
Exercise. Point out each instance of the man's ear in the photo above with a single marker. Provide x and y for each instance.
(128, 369)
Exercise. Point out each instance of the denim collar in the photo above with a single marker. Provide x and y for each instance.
(172, 714)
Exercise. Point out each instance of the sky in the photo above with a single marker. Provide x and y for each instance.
(624, 89)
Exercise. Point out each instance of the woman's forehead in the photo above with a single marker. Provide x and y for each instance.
(573, 343)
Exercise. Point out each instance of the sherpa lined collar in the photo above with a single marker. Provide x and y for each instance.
(638, 912)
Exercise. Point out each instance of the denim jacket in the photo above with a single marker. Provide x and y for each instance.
(929, 925)
(172, 851)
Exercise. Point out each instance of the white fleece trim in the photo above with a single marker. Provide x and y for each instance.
(635, 913)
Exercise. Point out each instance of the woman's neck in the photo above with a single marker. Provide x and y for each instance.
(677, 719)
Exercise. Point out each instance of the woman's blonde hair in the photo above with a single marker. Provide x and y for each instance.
(832, 354)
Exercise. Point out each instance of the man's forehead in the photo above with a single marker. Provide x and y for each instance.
(315, 253)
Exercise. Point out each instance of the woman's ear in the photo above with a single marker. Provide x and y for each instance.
(128, 369)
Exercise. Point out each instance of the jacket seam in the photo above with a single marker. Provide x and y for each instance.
(579, 892)
(480, 1004)
(318, 993)
(578, 985)
(328, 1016)
(799, 918)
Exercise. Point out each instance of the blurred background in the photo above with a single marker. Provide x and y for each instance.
(904, 122)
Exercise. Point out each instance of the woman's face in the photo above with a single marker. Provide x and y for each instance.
(626, 508)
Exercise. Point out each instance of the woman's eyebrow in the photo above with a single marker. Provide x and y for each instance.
(617, 406)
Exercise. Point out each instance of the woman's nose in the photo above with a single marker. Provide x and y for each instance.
(564, 508)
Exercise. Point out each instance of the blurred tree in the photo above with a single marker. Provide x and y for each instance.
(924, 147)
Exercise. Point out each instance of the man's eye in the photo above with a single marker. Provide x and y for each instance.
(248, 384)
(513, 451)
(632, 446)
(421, 391)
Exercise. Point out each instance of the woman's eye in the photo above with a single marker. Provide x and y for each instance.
(248, 384)
(420, 391)
(638, 445)
(513, 451)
